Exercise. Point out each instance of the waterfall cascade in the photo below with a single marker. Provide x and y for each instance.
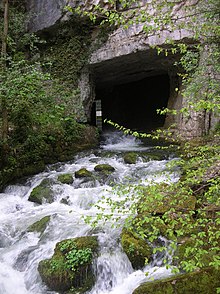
(21, 251)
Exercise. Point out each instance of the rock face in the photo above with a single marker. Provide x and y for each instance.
(45, 13)
(127, 56)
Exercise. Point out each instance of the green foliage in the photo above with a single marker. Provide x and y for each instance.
(187, 212)
(189, 208)
(66, 53)
(70, 266)
(74, 256)
(78, 257)
(40, 109)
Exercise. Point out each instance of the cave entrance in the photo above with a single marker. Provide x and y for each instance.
(134, 104)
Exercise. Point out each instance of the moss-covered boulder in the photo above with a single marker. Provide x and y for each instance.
(40, 225)
(160, 198)
(153, 155)
(187, 250)
(137, 249)
(83, 173)
(205, 281)
(104, 168)
(42, 192)
(65, 179)
(71, 265)
(130, 158)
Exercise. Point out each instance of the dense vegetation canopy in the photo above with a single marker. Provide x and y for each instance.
(37, 123)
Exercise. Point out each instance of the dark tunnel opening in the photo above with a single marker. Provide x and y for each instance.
(134, 105)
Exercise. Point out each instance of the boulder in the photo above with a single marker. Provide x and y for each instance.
(40, 225)
(65, 200)
(42, 192)
(83, 173)
(137, 249)
(70, 267)
(159, 198)
(22, 259)
(65, 179)
(203, 281)
(104, 168)
(130, 158)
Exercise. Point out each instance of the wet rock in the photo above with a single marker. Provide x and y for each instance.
(71, 265)
(83, 173)
(104, 168)
(22, 258)
(130, 158)
(65, 200)
(154, 155)
(40, 225)
(65, 179)
(4, 240)
(42, 192)
(136, 248)
(204, 281)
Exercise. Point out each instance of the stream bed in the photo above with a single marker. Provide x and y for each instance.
(21, 251)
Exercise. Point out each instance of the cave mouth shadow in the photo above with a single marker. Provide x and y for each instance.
(134, 105)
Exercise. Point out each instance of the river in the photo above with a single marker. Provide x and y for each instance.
(21, 251)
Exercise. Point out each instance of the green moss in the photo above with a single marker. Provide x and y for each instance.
(137, 249)
(104, 168)
(42, 192)
(65, 178)
(83, 173)
(130, 158)
(69, 269)
(159, 199)
(204, 281)
(66, 53)
(40, 225)
(68, 49)
(153, 156)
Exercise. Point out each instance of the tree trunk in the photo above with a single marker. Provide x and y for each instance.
(4, 110)
(4, 53)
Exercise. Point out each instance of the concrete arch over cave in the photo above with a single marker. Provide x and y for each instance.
(131, 89)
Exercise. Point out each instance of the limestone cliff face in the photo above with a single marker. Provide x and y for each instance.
(46, 13)
(127, 55)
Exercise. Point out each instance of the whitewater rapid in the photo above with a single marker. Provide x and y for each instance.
(21, 251)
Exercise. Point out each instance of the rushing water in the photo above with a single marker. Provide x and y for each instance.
(21, 251)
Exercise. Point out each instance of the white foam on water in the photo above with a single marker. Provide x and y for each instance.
(21, 251)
